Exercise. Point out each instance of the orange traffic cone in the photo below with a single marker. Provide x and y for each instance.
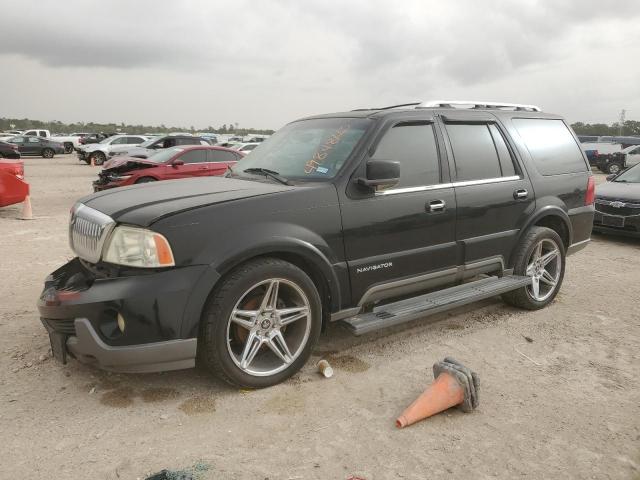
(454, 385)
(27, 213)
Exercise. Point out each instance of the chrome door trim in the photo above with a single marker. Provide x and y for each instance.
(439, 186)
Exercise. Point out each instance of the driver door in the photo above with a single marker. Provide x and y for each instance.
(402, 239)
(195, 165)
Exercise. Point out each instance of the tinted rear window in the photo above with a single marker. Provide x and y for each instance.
(552, 147)
(474, 152)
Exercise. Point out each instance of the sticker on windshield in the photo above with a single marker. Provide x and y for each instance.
(321, 154)
(322, 169)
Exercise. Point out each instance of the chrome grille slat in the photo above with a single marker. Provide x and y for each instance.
(88, 230)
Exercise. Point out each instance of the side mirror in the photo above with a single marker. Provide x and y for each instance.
(380, 173)
(610, 177)
(177, 163)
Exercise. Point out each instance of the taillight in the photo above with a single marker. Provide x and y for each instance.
(590, 196)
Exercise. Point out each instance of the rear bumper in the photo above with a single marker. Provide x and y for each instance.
(80, 312)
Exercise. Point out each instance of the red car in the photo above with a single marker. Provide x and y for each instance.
(166, 164)
(13, 189)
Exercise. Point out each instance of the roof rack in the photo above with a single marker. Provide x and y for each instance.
(387, 108)
(479, 105)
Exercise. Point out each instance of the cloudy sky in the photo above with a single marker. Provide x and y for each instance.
(263, 63)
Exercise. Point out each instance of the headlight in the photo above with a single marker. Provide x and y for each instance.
(138, 247)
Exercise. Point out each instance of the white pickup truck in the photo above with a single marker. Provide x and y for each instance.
(70, 142)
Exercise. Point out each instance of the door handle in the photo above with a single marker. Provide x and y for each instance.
(520, 194)
(436, 206)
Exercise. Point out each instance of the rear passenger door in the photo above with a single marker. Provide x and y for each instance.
(402, 239)
(218, 161)
(494, 196)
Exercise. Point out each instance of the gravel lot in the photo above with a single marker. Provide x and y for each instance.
(569, 410)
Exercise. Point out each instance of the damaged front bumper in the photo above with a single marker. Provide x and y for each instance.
(119, 322)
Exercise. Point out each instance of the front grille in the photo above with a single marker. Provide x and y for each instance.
(65, 327)
(88, 230)
(617, 207)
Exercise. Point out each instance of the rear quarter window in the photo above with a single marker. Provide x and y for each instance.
(551, 145)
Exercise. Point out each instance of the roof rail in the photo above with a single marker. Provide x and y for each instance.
(387, 108)
(479, 105)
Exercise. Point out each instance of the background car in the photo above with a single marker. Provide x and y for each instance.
(13, 188)
(9, 150)
(245, 147)
(98, 152)
(618, 204)
(37, 146)
(154, 144)
(167, 164)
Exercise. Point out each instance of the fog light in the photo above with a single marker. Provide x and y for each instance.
(121, 322)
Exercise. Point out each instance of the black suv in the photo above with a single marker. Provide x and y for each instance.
(372, 218)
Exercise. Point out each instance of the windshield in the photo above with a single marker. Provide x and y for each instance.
(146, 143)
(631, 175)
(164, 155)
(106, 140)
(309, 149)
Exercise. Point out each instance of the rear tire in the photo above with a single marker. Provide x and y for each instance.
(145, 180)
(534, 257)
(48, 153)
(252, 337)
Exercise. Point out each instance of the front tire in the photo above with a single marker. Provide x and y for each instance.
(541, 256)
(98, 158)
(145, 180)
(261, 324)
(613, 168)
(68, 148)
(48, 153)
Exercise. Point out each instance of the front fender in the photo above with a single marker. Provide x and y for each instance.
(271, 245)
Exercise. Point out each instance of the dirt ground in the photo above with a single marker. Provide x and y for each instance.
(564, 405)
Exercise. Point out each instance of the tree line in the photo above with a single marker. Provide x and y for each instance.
(56, 126)
(629, 127)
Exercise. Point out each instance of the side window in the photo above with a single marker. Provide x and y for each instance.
(635, 151)
(119, 141)
(221, 156)
(194, 156)
(32, 133)
(169, 142)
(474, 151)
(43, 133)
(413, 144)
(134, 140)
(553, 149)
(188, 141)
(506, 162)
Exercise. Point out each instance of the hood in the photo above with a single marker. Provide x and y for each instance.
(619, 191)
(120, 160)
(146, 203)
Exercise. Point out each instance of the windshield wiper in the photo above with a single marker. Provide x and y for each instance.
(268, 173)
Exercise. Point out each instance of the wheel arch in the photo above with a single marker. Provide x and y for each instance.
(302, 254)
(552, 217)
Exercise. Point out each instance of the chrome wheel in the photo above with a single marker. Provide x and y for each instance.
(269, 327)
(544, 267)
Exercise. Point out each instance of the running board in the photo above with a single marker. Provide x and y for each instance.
(412, 308)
